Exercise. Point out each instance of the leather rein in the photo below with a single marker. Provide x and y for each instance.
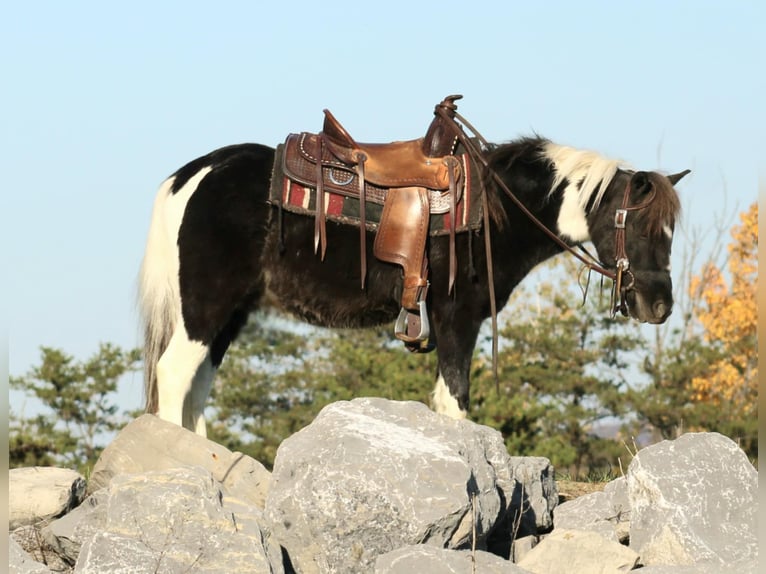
(622, 262)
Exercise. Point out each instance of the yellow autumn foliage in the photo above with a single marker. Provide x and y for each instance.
(728, 313)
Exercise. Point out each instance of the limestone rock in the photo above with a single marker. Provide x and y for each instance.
(745, 567)
(578, 552)
(693, 499)
(370, 476)
(423, 559)
(41, 493)
(607, 512)
(67, 534)
(149, 443)
(176, 521)
(535, 492)
(19, 562)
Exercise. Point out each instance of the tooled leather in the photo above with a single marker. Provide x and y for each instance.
(401, 237)
(299, 164)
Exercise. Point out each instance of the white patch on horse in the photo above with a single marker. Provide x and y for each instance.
(587, 173)
(668, 231)
(159, 269)
(178, 364)
(444, 403)
(177, 370)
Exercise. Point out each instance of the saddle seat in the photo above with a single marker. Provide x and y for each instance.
(395, 164)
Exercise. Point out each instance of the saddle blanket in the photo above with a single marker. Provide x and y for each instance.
(298, 198)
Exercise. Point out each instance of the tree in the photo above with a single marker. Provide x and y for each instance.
(564, 367)
(78, 410)
(703, 374)
(728, 313)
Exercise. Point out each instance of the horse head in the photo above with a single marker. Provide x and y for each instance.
(632, 230)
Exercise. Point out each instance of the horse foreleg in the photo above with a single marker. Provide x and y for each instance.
(443, 402)
(455, 349)
(181, 363)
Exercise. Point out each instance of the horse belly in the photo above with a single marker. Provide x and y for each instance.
(328, 292)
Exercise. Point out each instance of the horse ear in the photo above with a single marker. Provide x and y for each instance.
(676, 177)
(640, 182)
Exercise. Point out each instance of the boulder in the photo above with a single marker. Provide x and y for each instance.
(149, 443)
(744, 567)
(693, 500)
(370, 476)
(424, 559)
(535, 493)
(19, 562)
(41, 493)
(606, 512)
(176, 520)
(578, 552)
(66, 535)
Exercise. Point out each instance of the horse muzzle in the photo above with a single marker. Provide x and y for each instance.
(647, 301)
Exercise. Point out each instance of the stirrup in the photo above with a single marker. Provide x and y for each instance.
(401, 331)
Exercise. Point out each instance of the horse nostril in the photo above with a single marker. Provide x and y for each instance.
(661, 309)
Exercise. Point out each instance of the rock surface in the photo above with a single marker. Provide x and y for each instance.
(379, 486)
(424, 559)
(19, 562)
(578, 552)
(380, 475)
(149, 443)
(693, 499)
(607, 513)
(175, 520)
(41, 493)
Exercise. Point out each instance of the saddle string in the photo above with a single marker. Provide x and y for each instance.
(361, 158)
(452, 166)
(320, 231)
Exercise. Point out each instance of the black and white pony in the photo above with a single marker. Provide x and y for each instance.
(213, 256)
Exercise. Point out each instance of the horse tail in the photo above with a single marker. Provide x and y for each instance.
(159, 298)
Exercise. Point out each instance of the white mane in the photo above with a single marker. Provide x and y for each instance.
(589, 175)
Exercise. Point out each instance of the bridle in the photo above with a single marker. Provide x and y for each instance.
(620, 288)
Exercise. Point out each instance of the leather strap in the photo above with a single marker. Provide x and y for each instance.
(320, 228)
(361, 158)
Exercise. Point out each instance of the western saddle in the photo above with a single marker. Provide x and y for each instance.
(404, 176)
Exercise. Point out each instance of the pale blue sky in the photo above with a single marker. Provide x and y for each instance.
(102, 102)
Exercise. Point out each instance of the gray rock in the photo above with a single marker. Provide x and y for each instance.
(693, 499)
(149, 443)
(41, 493)
(424, 559)
(370, 476)
(177, 520)
(67, 534)
(578, 552)
(522, 546)
(535, 493)
(607, 513)
(744, 567)
(19, 562)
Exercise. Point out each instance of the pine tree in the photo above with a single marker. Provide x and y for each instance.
(78, 409)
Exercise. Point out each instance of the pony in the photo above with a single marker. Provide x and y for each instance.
(219, 249)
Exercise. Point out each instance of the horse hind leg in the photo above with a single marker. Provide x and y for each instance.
(183, 372)
(194, 406)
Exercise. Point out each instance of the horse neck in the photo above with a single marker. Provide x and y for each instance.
(519, 244)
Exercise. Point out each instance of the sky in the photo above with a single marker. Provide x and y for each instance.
(101, 101)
